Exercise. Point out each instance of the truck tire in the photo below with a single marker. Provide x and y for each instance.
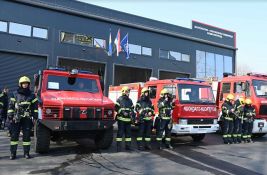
(104, 139)
(257, 135)
(198, 137)
(41, 138)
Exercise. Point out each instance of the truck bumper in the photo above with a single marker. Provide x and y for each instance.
(77, 125)
(259, 126)
(194, 129)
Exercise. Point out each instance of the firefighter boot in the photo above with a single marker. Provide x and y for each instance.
(128, 147)
(26, 149)
(13, 151)
(148, 146)
(140, 146)
(118, 146)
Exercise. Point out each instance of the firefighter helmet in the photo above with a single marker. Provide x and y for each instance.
(241, 99)
(164, 91)
(24, 79)
(230, 97)
(125, 89)
(145, 89)
(248, 101)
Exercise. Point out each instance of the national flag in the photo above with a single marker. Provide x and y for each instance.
(110, 45)
(125, 46)
(117, 42)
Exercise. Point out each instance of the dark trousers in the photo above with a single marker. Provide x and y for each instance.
(237, 133)
(163, 125)
(247, 129)
(25, 124)
(124, 129)
(228, 126)
(144, 132)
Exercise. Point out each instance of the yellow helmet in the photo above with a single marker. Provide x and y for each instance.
(164, 91)
(125, 89)
(241, 99)
(230, 97)
(248, 101)
(24, 79)
(145, 89)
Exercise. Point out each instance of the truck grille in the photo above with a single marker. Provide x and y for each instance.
(74, 113)
(263, 110)
(51, 112)
(200, 121)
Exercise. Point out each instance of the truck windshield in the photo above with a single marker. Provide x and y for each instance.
(197, 94)
(260, 87)
(63, 83)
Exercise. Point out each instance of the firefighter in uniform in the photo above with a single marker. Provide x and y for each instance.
(125, 112)
(238, 120)
(249, 114)
(145, 109)
(165, 106)
(227, 118)
(22, 107)
(1, 108)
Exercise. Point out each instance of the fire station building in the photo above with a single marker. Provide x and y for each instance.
(35, 34)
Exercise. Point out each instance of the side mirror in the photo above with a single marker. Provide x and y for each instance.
(244, 86)
(36, 80)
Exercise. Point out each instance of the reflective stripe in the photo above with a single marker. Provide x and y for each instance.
(234, 135)
(249, 136)
(10, 111)
(117, 104)
(25, 103)
(139, 138)
(147, 139)
(34, 100)
(147, 118)
(14, 142)
(26, 143)
(228, 118)
(124, 119)
(1, 95)
(168, 139)
(229, 135)
(245, 136)
(225, 136)
(166, 118)
(118, 139)
(35, 110)
(1, 103)
(239, 135)
(124, 109)
(128, 139)
(12, 99)
(158, 139)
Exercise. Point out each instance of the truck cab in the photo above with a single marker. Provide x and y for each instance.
(253, 86)
(71, 106)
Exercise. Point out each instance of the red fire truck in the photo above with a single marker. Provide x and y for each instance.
(253, 86)
(195, 111)
(71, 106)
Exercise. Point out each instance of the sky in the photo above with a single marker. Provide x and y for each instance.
(247, 19)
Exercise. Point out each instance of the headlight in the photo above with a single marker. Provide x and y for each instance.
(110, 112)
(215, 121)
(183, 121)
(48, 111)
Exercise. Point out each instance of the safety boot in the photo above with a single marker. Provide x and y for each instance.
(128, 148)
(168, 146)
(27, 156)
(118, 147)
(148, 146)
(140, 147)
(13, 156)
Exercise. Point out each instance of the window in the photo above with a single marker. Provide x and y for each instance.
(210, 64)
(3, 26)
(83, 40)
(238, 87)
(20, 29)
(175, 56)
(39, 33)
(219, 65)
(228, 64)
(171, 89)
(135, 49)
(185, 57)
(146, 51)
(99, 43)
(152, 91)
(163, 54)
(67, 37)
(226, 87)
(200, 64)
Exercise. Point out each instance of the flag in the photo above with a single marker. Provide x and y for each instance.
(125, 46)
(117, 42)
(110, 45)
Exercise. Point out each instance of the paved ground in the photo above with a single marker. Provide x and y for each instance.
(207, 157)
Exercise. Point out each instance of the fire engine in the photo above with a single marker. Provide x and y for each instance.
(195, 111)
(253, 86)
(71, 106)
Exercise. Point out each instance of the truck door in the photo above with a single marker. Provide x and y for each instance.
(153, 95)
(225, 90)
(239, 89)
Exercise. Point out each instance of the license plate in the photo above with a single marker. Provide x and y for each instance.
(261, 124)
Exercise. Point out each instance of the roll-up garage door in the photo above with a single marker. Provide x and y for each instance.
(13, 66)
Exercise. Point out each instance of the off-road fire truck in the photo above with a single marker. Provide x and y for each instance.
(195, 111)
(71, 106)
(253, 86)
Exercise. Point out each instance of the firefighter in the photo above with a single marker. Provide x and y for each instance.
(145, 109)
(227, 118)
(125, 112)
(22, 107)
(165, 106)
(1, 107)
(238, 120)
(249, 114)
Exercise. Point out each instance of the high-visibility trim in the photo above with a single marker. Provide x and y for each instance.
(139, 138)
(234, 135)
(25, 103)
(168, 139)
(124, 119)
(124, 109)
(10, 111)
(228, 118)
(26, 143)
(118, 139)
(14, 142)
(245, 136)
(117, 104)
(239, 135)
(12, 99)
(249, 136)
(128, 139)
(159, 139)
(34, 100)
(148, 118)
(229, 135)
(1, 95)
(35, 111)
(225, 136)
(166, 118)
(1, 103)
(147, 139)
